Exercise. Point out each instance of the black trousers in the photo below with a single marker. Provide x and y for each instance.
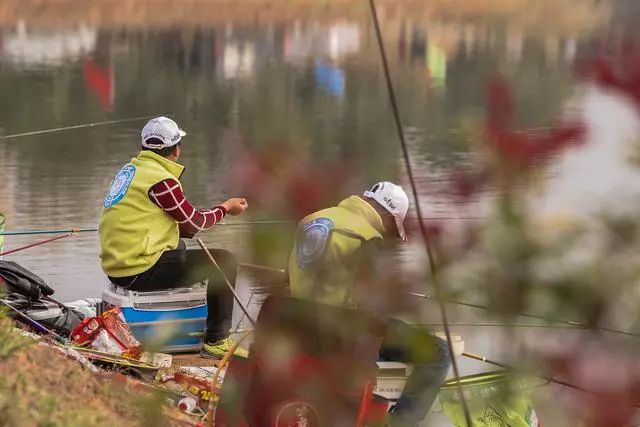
(184, 267)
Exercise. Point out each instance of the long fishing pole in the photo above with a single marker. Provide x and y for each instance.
(571, 323)
(495, 325)
(423, 228)
(229, 285)
(32, 245)
(544, 377)
(228, 224)
(54, 231)
(60, 129)
(34, 324)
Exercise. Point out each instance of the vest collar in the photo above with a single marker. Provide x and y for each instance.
(173, 168)
(360, 207)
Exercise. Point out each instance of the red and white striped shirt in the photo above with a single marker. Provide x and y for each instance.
(169, 197)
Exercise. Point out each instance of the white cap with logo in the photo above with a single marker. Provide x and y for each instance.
(164, 129)
(393, 198)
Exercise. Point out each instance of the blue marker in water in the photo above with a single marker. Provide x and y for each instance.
(330, 79)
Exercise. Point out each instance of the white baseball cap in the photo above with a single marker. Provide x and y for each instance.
(164, 129)
(393, 198)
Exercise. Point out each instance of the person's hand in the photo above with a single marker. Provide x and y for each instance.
(235, 206)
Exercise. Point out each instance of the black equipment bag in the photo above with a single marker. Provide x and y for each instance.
(19, 280)
(28, 293)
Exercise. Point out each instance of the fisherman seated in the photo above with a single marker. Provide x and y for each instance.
(145, 214)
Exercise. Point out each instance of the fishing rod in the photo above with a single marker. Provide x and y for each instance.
(544, 377)
(569, 323)
(228, 224)
(32, 245)
(35, 324)
(35, 232)
(496, 325)
(60, 129)
(93, 230)
(229, 285)
(576, 325)
(414, 189)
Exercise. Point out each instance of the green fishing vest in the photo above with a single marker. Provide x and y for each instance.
(134, 232)
(323, 263)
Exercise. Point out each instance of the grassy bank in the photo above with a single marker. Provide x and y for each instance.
(41, 387)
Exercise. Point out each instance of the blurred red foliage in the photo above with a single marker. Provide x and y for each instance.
(516, 150)
(616, 69)
(523, 148)
(606, 394)
(285, 179)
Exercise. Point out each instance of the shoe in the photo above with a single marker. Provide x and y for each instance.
(218, 349)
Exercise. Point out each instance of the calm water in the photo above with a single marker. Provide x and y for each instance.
(311, 82)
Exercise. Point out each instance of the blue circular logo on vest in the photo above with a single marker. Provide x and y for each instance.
(120, 185)
(312, 241)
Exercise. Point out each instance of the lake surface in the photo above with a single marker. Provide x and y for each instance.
(307, 82)
(313, 83)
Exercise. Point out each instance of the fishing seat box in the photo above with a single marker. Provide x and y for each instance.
(173, 318)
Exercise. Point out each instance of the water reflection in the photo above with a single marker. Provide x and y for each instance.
(27, 47)
(312, 82)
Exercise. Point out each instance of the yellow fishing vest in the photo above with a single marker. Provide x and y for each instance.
(323, 262)
(134, 232)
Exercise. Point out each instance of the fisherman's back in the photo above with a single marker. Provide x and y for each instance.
(327, 251)
(135, 232)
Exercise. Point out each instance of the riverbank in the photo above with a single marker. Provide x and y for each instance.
(41, 387)
(147, 14)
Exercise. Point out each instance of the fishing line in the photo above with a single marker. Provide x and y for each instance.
(60, 129)
(496, 325)
(228, 224)
(571, 323)
(423, 228)
(544, 377)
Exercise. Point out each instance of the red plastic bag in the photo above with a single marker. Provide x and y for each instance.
(109, 333)
(116, 326)
(86, 330)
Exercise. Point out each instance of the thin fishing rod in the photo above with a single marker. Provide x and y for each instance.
(423, 228)
(35, 232)
(572, 323)
(496, 325)
(87, 125)
(34, 324)
(229, 285)
(92, 230)
(544, 377)
(32, 245)
(228, 224)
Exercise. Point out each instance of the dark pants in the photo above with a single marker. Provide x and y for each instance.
(185, 267)
(430, 358)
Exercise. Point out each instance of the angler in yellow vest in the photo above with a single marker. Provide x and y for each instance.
(145, 214)
(333, 262)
